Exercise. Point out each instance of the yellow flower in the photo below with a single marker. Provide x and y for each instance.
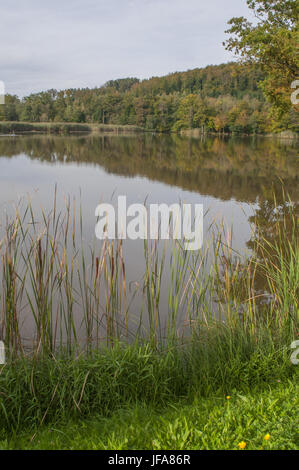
(267, 437)
(242, 445)
(228, 397)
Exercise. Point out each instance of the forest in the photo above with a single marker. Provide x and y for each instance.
(225, 98)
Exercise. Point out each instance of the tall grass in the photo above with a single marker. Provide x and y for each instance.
(229, 321)
(220, 361)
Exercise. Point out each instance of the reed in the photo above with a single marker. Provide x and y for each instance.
(75, 298)
(75, 346)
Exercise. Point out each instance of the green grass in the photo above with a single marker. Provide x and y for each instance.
(40, 391)
(207, 423)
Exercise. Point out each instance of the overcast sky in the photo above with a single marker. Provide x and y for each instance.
(83, 43)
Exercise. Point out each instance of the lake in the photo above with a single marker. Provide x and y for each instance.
(234, 178)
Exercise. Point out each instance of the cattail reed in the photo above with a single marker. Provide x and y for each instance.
(59, 295)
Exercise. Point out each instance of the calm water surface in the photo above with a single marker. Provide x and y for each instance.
(233, 178)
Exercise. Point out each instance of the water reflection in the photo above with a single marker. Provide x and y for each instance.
(243, 169)
(233, 178)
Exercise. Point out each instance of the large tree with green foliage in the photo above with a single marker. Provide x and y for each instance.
(271, 42)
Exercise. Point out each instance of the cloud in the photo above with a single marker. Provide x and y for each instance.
(83, 43)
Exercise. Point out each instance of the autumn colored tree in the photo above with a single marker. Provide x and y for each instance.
(271, 42)
(222, 98)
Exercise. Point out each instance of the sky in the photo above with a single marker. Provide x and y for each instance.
(84, 43)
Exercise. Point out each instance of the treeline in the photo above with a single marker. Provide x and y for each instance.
(223, 98)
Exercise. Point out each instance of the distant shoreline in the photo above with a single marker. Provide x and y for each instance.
(11, 128)
(18, 127)
(199, 133)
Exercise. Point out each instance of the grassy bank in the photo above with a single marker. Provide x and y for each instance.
(262, 420)
(226, 362)
(63, 128)
(237, 344)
